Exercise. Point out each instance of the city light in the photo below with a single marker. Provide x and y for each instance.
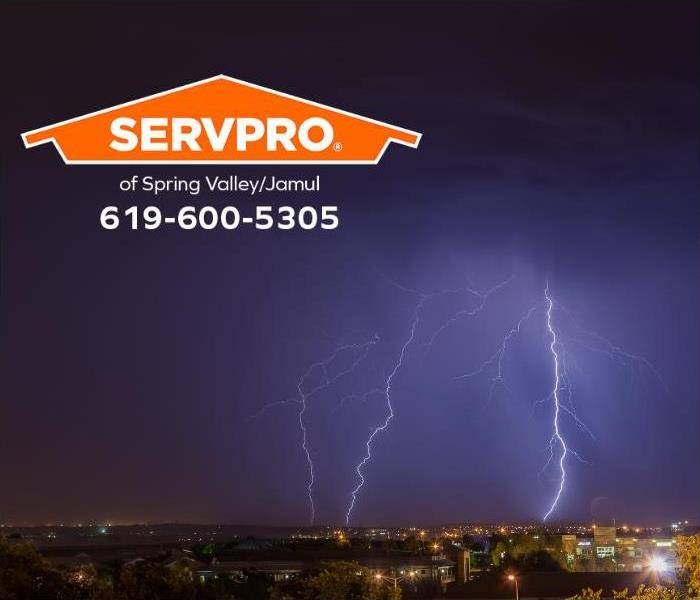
(658, 564)
(394, 580)
(514, 579)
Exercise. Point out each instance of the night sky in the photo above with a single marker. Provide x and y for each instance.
(560, 144)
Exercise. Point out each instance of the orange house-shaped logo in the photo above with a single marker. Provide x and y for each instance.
(221, 120)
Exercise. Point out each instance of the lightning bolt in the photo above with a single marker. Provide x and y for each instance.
(424, 298)
(556, 436)
(324, 380)
(498, 356)
(483, 297)
(390, 408)
(561, 393)
(559, 336)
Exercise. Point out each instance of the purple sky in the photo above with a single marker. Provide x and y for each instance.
(560, 143)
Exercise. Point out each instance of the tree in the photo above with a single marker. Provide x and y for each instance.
(643, 593)
(688, 548)
(587, 594)
(26, 575)
(499, 553)
(152, 581)
(85, 583)
(656, 592)
(346, 581)
(411, 544)
(543, 560)
(527, 553)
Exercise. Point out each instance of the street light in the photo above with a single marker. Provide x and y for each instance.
(514, 579)
(658, 564)
(394, 580)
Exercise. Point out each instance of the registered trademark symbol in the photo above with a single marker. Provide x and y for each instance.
(337, 146)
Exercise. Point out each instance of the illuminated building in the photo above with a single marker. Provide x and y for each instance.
(626, 553)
